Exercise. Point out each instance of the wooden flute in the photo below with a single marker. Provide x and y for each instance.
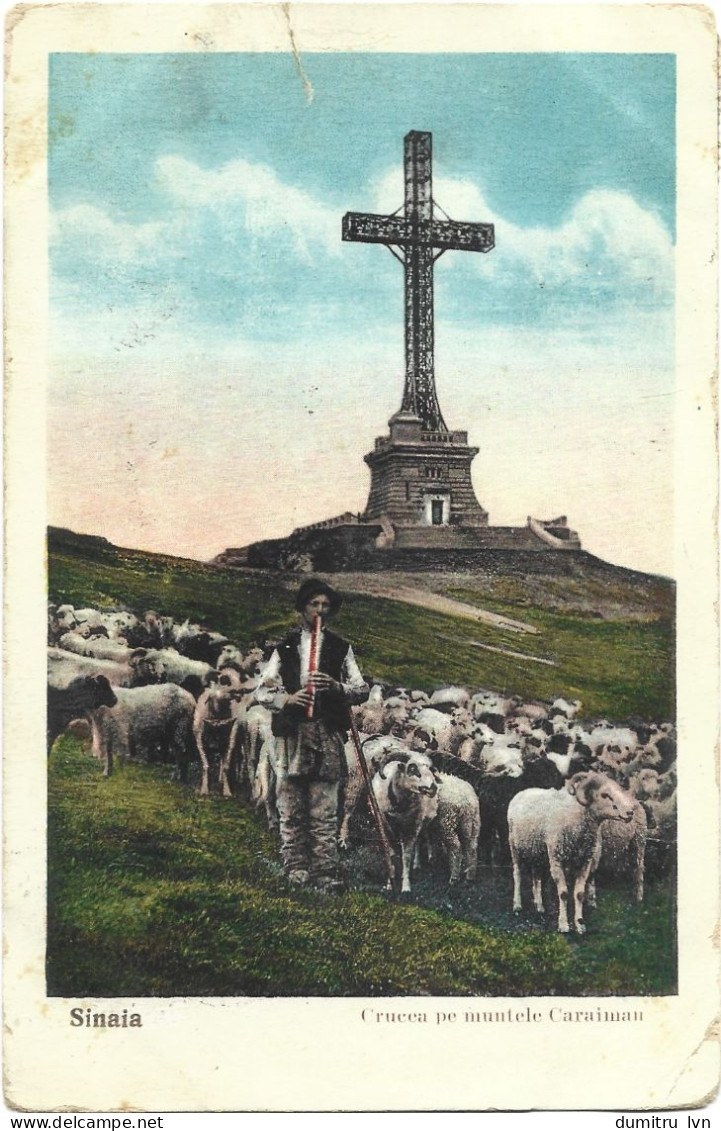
(313, 665)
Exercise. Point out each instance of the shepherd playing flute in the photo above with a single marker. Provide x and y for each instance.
(309, 684)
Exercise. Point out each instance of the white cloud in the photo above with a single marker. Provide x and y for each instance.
(88, 231)
(225, 237)
(268, 206)
(607, 241)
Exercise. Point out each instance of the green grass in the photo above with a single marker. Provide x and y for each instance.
(617, 668)
(154, 891)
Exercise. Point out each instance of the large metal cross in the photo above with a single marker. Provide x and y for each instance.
(422, 239)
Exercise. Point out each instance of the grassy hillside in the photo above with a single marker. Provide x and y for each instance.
(617, 667)
(155, 891)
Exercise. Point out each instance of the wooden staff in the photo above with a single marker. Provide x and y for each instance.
(386, 847)
(313, 665)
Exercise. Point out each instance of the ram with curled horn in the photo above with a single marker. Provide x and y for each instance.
(405, 786)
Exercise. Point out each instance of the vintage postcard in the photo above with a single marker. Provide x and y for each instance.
(361, 627)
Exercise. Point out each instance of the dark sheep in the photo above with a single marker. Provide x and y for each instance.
(83, 694)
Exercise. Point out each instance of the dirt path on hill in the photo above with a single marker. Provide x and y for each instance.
(435, 601)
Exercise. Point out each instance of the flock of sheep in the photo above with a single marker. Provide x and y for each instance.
(460, 774)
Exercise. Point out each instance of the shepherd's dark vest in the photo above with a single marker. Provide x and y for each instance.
(330, 706)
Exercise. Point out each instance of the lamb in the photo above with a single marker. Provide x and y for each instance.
(90, 617)
(667, 782)
(153, 631)
(406, 789)
(214, 721)
(74, 642)
(617, 841)
(252, 662)
(576, 760)
(456, 827)
(561, 828)
(644, 784)
(253, 729)
(471, 748)
(144, 723)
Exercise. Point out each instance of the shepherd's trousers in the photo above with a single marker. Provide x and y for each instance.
(308, 813)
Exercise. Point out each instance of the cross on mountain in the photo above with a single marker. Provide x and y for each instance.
(422, 238)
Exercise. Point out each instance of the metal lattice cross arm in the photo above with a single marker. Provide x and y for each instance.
(422, 238)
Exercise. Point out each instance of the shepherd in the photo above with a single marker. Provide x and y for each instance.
(309, 684)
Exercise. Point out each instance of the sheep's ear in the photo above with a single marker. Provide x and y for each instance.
(138, 653)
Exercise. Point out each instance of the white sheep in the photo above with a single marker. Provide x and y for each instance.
(503, 756)
(67, 666)
(253, 729)
(374, 748)
(214, 726)
(533, 711)
(446, 698)
(437, 725)
(618, 841)
(101, 647)
(265, 783)
(456, 826)
(166, 665)
(560, 829)
(563, 708)
(406, 789)
(148, 723)
(369, 715)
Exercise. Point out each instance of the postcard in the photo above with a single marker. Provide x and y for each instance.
(361, 630)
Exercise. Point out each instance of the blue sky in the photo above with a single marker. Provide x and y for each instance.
(196, 259)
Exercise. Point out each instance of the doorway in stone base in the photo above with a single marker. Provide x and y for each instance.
(437, 510)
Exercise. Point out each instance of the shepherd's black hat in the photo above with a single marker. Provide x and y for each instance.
(310, 588)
